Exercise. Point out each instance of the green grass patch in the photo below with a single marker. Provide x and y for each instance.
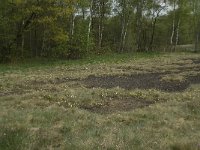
(48, 63)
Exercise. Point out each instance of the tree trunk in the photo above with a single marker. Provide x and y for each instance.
(173, 27)
(100, 26)
(124, 27)
(197, 38)
(90, 24)
(197, 43)
(72, 24)
(83, 13)
(125, 33)
(30, 42)
(172, 35)
(139, 25)
(152, 35)
(101, 22)
(44, 41)
(177, 34)
(154, 28)
(35, 44)
(122, 35)
(22, 45)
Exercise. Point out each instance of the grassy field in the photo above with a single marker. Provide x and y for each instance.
(131, 101)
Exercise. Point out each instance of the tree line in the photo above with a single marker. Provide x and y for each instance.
(76, 28)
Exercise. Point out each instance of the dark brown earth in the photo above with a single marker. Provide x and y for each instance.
(13, 92)
(136, 81)
(194, 79)
(146, 81)
(115, 104)
(196, 61)
(140, 81)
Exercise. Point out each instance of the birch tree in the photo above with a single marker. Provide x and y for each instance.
(139, 25)
(156, 7)
(125, 13)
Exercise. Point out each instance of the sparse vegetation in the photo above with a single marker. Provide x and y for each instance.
(50, 106)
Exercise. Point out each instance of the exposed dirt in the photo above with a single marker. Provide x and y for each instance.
(194, 79)
(117, 104)
(11, 93)
(196, 61)
(148, 80)
(140, 81)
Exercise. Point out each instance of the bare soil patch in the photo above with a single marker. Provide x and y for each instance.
(194, 79)
(140, 81)
(196, 61)
(117, 104)
(13, 92)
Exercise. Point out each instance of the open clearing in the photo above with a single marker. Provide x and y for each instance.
(137, 103)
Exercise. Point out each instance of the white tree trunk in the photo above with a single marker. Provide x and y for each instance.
(173, 31)
(124, 27)
(125, 33)
(101, 22)
(89, 25)
(177, 34)
(173, 26)
(73, 24)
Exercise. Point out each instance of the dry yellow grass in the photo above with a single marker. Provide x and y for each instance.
(42, 108)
